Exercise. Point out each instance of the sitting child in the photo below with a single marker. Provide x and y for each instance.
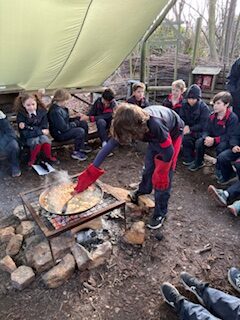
(137, 96)
(222, 125)
(62, 127)
(8, 145)
(101, 113)
(194, 113)
(174, 100)
(33, 126)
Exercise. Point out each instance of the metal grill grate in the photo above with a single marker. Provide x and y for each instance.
(52, 224)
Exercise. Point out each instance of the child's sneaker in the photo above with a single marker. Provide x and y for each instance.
(78, 155)
(219, 195)
(170, 294)
(234, 208)
(188, 163)
(134, 195)
(16, 172)
(194, 167)
(87, 149)
(194, 285)
(223, 181)
(234, 278)
(155, 222)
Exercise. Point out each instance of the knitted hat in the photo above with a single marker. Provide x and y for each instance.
(194, 92)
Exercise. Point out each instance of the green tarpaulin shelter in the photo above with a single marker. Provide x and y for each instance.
(69, 43)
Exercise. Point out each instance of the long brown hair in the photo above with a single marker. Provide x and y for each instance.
(22, 97)
(129, 122)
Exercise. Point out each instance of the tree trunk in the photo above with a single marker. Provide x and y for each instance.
(235, 36)
(229, 31)
(212, 30)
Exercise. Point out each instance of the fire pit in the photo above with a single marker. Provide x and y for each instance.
(52, 225)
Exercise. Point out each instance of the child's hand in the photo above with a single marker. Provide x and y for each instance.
(21, 125)
(45, 132)
(236, 149)
(209, 141)
(186, 130)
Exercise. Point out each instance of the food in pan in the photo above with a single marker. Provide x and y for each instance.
(54, 198)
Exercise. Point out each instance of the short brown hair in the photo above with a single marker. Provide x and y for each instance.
(61, 95)
(224, 96)
(129, 122)
(137, 85)
(180, 84)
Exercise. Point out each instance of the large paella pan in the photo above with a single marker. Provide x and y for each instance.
(54, 198)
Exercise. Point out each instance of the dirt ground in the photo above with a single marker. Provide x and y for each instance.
(127, 288)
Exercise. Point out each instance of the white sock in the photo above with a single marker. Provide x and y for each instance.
(226, 193)
(104, 143)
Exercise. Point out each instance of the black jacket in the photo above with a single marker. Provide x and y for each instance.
(98, 111)
(167, 102)
(233, 84)
(33, 125)
(196, 117)
(143, 103)
(59, 120)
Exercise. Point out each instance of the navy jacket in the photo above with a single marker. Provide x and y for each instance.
(59, 120)
(196, 117)
(223, 130)
(143, 103)
(167, 102)
(7, 133)
(33, 125)
(233, 84)
(98, 111)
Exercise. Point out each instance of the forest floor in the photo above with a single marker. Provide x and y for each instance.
(127, 287)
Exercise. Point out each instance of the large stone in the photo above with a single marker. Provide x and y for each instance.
(14, 245)
(119, 193)
(26, 228)
(6, 234)
(19, 213)
(101, 254)
(82, 256)
(39, 257)
(94, 224)
(145, 202)
(7, 264)
(60, 273)
(22, 277)
(32, 241)
(136, 234)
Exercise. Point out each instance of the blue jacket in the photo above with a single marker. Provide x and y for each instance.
(33, 124)
(196, 117)
(223, 130)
